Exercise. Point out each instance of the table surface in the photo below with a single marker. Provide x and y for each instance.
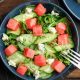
(8, 5)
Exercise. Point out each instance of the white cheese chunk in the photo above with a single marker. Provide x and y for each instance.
(41, 47)
(54, 13)
(36, 74)
(5, 37)
(11, 63)
(20, 39)
(50, 61)
(52, 29)
(29, 10)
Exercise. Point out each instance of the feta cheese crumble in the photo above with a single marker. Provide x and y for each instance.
(52, 29)
(5, 37)
(36, 74)
(50, 61)
(41, 47)
(12, 63)
(20, 39)
(29, 10)
(54, 13)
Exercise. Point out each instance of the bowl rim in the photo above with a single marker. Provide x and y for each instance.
(25, 3)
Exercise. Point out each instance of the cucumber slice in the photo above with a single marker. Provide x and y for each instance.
(46, 38)
(44, 75)
(47, 69)
(64, 47)
(26, 39)
(17, 32)
(21, 46)
(38, 52)
(49, 49)
(19, 17)
(32, 67)
(23, 17)
(16, 58)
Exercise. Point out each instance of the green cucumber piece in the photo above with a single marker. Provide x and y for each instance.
(23, 17)
(32, 67)
(47, 69)
(21, 46)
(27, 39)
(44, 75)
(49, 49)
(63, 47)
(19, 17)
(17, 57)
(46, 38)
(38, 52)
(17, 32)
(66, 46)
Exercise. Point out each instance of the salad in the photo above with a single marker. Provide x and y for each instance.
(35, 40)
